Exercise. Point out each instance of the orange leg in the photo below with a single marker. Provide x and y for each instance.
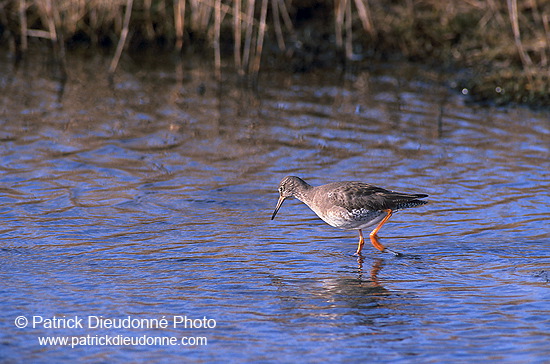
(374, 238)
(375, 231)
(376, 243)
(361, 243)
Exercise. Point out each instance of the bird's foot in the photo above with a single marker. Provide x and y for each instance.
(397, 254)
(376, 243)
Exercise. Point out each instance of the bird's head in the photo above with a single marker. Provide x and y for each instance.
(290, 186)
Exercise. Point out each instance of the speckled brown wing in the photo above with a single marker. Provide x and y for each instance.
(358, 195)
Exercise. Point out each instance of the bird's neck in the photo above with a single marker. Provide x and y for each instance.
(304, 193)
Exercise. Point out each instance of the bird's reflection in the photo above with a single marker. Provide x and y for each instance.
(374, 270)
(362, 290)
(357, 288)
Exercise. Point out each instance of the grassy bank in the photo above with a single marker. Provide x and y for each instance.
(504, 46)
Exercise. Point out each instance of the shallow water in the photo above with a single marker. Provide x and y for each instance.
(152, 199)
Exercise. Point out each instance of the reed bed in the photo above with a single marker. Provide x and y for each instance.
(505, 45)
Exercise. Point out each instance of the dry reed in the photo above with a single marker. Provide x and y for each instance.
(503, 42)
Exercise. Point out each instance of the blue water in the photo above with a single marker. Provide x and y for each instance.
(153, 200)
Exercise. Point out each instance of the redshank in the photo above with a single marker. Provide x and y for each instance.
(349, 205)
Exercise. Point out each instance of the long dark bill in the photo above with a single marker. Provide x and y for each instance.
(279, 203)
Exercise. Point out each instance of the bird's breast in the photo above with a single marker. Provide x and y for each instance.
(351, 219)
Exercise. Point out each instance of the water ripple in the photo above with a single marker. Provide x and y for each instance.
(154, 200)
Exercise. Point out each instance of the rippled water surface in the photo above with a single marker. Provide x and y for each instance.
(152, 199)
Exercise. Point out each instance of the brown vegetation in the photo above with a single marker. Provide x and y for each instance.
(504, 44)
